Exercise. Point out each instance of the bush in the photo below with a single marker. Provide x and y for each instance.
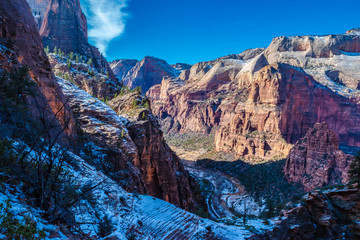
(12, 228)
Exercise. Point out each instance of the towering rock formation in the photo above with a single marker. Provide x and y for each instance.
(21, 46)
(145, 73)
(316, 160)
(64, 25)
(262, 101)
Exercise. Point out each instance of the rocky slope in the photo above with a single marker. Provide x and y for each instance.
(64, 25)
(134, 151)
(111, 151)
(145, 73)
(322, 215)
(316, 160)
(20, 45)
(98, 84)
(262, 101)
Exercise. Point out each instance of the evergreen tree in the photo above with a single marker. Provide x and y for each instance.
(69, 63)
(354, 171)
(89, 62)
(55, 50)
(47, 50)
(77, 58)
(71, 56)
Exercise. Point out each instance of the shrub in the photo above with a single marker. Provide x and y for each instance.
(47, 50)
(12, 228)
(89, 62)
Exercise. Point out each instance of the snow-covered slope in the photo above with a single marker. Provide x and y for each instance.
(131, 215)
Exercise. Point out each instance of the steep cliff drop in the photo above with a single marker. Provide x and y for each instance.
(63, 25)
(316, 160)
(260, 102)
(21, 46)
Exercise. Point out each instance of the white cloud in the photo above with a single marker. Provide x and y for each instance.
(106, 21)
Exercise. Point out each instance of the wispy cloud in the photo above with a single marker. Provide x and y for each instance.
(106, 20)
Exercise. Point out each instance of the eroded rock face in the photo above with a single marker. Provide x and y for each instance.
(145, 73)
(21, 46)
(122, 67)
(162, 172)
(98, 84)
(64, 25)
(134, 152)
(262, 101)
(330, 215)
(316, 160)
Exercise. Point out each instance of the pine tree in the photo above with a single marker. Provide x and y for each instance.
(69, 63)
(354, 171)
(77, 58)
(47, 50)
(71, 56)
(89, 62)
(55, 50)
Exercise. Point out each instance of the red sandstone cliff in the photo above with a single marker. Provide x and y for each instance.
(261, 102)
(64, 25)
(21, 46)
(316, 160)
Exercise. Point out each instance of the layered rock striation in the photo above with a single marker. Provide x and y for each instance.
(316, 160)
(20, 45)
(63, 25)
(262, 101)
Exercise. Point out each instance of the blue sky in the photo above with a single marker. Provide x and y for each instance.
(197, 30)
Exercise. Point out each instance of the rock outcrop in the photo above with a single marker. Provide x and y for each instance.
(322, 215)
(98, 84)
(129, 146)
(261, 102)
(316, 160)
(64, 25)
(21, 46)
(122, 67)
(145, 73)
(162, 172)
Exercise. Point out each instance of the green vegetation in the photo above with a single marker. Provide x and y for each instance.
(71, 56)
(12, 228)
(89, 62)
(69, 63)
(47, 50)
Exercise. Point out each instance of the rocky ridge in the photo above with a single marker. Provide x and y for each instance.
(145, 73)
